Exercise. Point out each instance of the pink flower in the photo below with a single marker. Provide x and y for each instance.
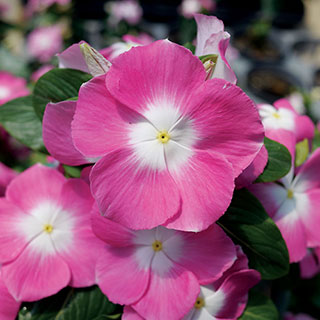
(11, 87)
(283, 124)
(46, 242)
(159, 271)
(294, 206)
(189, 7)
(40, 72)
(41, 5)
(127, 10)
(225, 298)
(43, 43)
(171, 143)
(212, 39)
(310, 264)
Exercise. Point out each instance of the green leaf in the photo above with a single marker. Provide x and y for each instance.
(259, 307)
(190, 46)
(247, 223)
(279, 162)
(20, 120)
(71, 304)
(302, 152)
(57, 85)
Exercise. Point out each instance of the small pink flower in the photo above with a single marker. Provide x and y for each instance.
(127, 10)
(189, 7)
(299, 316)
(212, 39)
(176, 141)
(159, 271)
(41, 5)
(43, 43)
(40, 72)
(294, 206)
(11, 87)
(46, 242)
(9, 307)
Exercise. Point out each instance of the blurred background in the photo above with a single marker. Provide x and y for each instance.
(274, 51)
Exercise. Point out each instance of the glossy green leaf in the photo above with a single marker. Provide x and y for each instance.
(259, 307)
(302, 152)
(279, 162)
(73, 172)
(57, 85)
(247, 223)
(20, 120)
(316, 140)
(71, 304)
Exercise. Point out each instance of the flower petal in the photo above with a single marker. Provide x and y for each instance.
(206, 186)
(170, 295)
(161, 73)
(138, 197)
(9, 307)
(57, 133)
(226, 122)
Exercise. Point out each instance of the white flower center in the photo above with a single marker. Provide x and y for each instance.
(164, 140)
(4, 92)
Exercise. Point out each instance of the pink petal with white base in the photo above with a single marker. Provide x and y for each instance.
(148, 75)
(57, 133)
(308, 205)
(292, 229)
(139, 198)
(170, 295)
(12, 240)
(33, 275)
(206, 187)
(9, 307)
(271, 196)
(101, 124)
(210, 247)
(223, 116)
(253, 171)
(134, 277)
(309, 175)
(40, 180)
(235, 289)
(72, 58)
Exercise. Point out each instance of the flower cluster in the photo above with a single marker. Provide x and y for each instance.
(163, 138)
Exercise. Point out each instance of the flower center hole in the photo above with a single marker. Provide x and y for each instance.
(199, 303)
(290, 194)
(48, 228)
(163, 136)
(157, 245)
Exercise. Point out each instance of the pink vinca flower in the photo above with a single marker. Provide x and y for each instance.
(171, 143)
(212, 39)
(43, 43)
(299, 316)
(226, 298)
(159, 271)
(127, 10)
(11, 87)
(9, 307)
(282, 124)
(294, 206)
(46, 241)
(189, 7)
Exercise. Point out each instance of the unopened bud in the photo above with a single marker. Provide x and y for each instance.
(96, 62)
(209, 62)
